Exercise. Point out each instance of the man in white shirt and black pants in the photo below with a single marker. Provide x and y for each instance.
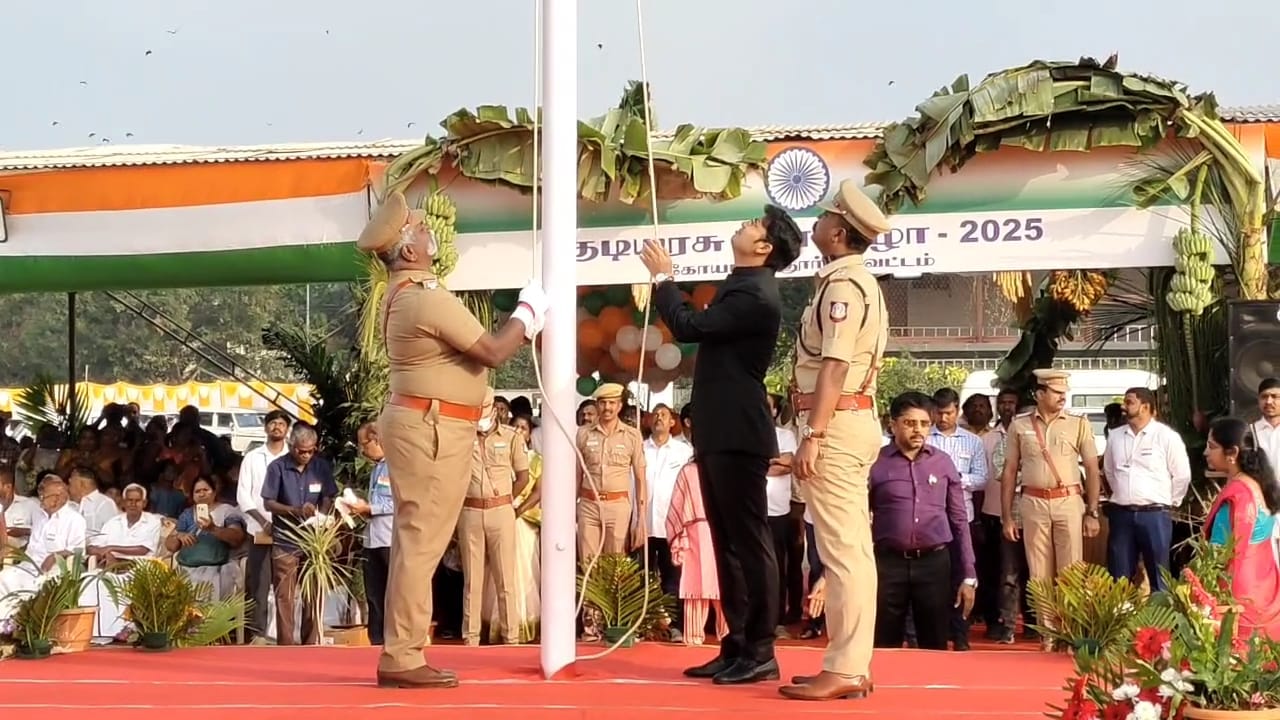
(253, 474)
(1148, 471)
(782, 524)
(664, 457)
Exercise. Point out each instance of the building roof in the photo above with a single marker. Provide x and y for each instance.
(135, 155)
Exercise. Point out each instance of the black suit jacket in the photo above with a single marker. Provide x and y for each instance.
(736, 336)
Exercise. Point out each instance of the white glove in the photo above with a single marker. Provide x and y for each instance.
(531, 310)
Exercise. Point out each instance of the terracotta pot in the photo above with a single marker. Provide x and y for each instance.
(1195, 713)
(73, 630)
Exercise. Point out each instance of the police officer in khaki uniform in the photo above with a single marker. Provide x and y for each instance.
(487, 526)
(438, 359)
(614, 452)
(1043, 451)
(839, 350)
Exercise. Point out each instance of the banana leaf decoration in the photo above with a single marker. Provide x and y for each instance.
(1078, 106)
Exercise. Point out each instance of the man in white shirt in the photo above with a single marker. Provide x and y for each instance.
(18, 511)
(782, 525)
(664, 457)
(1148, 470)
(1267, 428)
(129, 536)
(95, 507)
(253, 475)
(57, 531)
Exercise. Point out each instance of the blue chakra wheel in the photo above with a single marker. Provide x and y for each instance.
(797, 179)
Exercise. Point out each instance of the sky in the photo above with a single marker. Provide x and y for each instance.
(234, 72)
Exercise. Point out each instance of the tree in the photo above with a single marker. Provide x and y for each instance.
(902, 374)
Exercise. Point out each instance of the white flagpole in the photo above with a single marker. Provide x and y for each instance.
(559, 338)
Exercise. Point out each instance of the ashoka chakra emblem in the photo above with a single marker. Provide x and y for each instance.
(797, 179)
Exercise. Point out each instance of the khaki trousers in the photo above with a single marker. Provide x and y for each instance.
(487, 540)
(285, 568)
(607, 519)
(429, 461)
(838, 501)
(1053, 533)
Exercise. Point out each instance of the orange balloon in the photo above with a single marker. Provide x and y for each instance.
(703, 295)
(590, 335)
(607, 368)
(629, 361)
(588, 359)
(612, 319)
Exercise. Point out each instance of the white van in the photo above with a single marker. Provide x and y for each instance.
(243, 427)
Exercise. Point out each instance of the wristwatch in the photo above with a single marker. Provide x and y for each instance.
(971, 582)
(807, 432)
(660, 278)
(1092, 512)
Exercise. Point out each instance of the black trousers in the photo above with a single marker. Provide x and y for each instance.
(733, 492)
(920, 585)
(668, 574)
(788, 549)
(988, 553)
(446, 596)
(377, 564)
(257, 588)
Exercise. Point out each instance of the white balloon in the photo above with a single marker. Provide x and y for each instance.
(628, 338)
(652, 338)
(667, 357)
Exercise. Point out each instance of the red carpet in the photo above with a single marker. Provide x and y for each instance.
(268, 683)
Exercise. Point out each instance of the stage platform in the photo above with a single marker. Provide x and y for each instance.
(279, 683)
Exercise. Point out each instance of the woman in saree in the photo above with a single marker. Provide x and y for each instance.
(1243, 517)
(528, 550)
(204, 546)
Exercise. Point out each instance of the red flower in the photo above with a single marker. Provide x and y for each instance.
(1150, 644)
(1117, 711)
(1185, 666)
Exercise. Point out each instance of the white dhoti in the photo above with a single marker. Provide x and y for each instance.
(15, 582)
(109, 620)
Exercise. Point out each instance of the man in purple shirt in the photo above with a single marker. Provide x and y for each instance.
(917, 513)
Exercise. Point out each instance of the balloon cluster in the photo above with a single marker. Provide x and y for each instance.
(611, 331)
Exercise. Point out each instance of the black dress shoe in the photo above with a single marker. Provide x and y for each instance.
(710, 669)
(960, 644)
(748, 671)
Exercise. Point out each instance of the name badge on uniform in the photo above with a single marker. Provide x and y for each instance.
(314, 487)
(499, 445)
(838, 312)
(384, 480)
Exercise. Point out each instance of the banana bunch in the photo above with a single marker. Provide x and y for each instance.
(1013, 284)
(1079, 289)
(1191, 288)
(441, 216)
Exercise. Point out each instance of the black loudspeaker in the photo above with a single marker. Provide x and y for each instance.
(1253, 347)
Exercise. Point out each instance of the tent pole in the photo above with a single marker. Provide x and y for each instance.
(72, 410)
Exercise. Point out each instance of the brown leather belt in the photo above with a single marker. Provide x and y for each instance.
(486, 503)
(803, 402)
(447, 409)
(603, 495)
(1051, 493)
(915, 554)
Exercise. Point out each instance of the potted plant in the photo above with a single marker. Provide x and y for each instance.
(1087, 610)
(1197, 665)
(629, 603)
(323, 572)
(168, 610)
(49, 616)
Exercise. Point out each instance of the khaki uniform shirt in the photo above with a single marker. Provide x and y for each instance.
(495, 460)
(610, 456)
(847, 319)
(428, 330)
(1068, 441)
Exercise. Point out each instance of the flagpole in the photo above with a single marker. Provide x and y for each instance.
(559, 338)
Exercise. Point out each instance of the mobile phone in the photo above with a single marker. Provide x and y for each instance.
(202, 512)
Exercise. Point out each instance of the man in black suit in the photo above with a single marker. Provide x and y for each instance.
(733, 432)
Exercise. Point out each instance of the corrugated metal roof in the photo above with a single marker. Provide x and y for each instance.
(135, 155)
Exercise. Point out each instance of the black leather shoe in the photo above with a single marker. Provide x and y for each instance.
(960, 644)
(748, 671)
(709, 670)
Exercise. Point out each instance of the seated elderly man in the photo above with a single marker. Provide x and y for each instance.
(126, 537)
(57, 531)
